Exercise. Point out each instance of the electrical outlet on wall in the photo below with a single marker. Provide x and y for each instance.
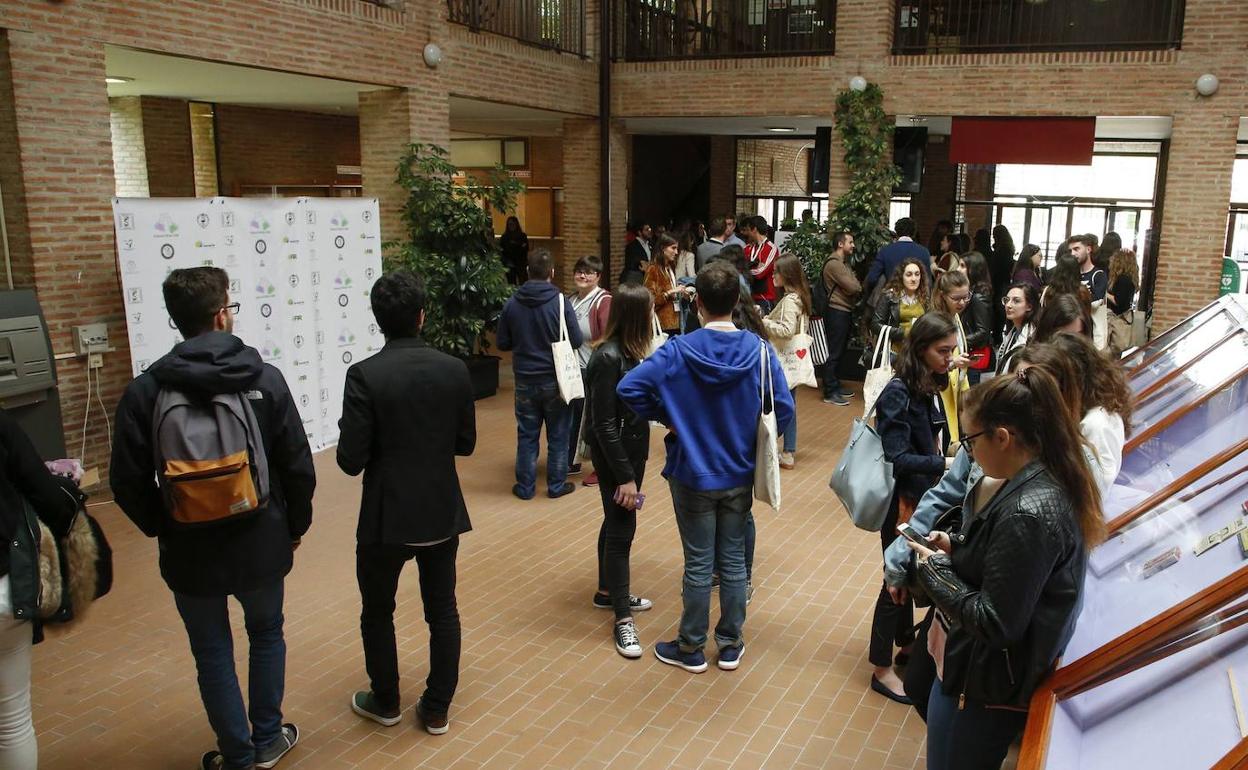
(90, 338)
(95, 360)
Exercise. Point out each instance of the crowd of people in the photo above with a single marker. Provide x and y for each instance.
(1004, 424)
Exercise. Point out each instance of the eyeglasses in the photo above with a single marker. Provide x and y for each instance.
(969, 442)
(1007, 301)
(959, 298)
(587, 273)
(233, 307)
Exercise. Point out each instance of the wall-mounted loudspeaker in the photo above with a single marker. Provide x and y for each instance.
(908, 147)
(820, 160)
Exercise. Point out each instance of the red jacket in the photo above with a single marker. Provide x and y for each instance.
(762, 259)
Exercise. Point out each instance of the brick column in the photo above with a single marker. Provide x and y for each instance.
(167, 137)
(723, 176)
(581, 212)
(129, 152)
(390, 119)
(1193, 227)
(621, 170)
(12, 183)
(62, 120)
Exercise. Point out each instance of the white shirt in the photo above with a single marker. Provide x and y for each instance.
(1105, 432)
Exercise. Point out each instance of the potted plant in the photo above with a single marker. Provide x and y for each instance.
(450, 244)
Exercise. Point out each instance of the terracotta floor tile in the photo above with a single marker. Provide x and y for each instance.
(541, 684)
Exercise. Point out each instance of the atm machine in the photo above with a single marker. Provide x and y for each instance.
(28, 389)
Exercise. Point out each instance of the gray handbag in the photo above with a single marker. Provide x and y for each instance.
(863, 479)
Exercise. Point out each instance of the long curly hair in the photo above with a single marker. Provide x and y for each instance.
(1123, 263)
(898, 290)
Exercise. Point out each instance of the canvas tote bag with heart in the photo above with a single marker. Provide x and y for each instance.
(766, 457)
(567, 368)
(796, 359)
(657, 335)
(880, 373)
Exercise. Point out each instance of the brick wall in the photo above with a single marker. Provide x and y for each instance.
(129, 153)
(12, 182)
(934, 201)
(773, 166)
(723, 176)
(266, 146)
(204, 147)
(167, 141)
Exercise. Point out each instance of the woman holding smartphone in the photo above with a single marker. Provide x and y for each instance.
(619, 442)
(1006, 584)
(952, 296)
(910, 420)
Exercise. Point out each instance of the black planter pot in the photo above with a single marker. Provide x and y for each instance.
(483, 373)
(850, 366)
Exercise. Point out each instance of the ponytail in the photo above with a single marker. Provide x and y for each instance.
(1030, 403)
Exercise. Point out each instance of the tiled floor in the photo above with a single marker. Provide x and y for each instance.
(541, 683)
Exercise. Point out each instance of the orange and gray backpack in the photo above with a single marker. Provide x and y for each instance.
(209, 457)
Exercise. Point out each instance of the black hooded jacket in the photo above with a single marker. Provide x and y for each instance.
(233, 556)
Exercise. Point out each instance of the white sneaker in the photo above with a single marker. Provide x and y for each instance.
(786, 460)
(626, 641)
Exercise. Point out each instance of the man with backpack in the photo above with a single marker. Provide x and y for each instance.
(839, 289)
(211, 458)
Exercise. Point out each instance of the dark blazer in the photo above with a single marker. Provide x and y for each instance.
(406, 413)
(634, 255)
(1011, 589)
(907, 425)
(615, 434)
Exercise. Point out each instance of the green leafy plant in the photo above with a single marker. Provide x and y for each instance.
(451, 245)
(812, 245)
(867, 135)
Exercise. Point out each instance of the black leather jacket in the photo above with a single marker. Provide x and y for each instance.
(1010, 589)
(977, 322)
(613, 430)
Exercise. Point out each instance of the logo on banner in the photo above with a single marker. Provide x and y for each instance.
(372, 330)
(345, 337)
(125, 221)
(366, 215)
(369, 273)
(143, 364)
(304, 400)
(342, 280)
(266, 310)
(265, 288)
(338, 221)
(261, 246)
(236, 286)
(166, 250)
(165, 227)
(343, 300)
(346, 356)
(203, 220)
(259, 225)
(270, 350)
(324, 394)
(227, 218)
(135, 296)
(316, 278)
(310, 216)
(339, 241)
(127, 244)
(290, 217)
(132, 267)
(294, 281)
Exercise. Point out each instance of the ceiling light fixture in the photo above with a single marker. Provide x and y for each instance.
(117, 79)
(782, 129)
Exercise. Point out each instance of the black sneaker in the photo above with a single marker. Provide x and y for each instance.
(518, 492)
(574, 469)
(365, 704)
(635, 603)
(626, 641)
(269, 755)
(212, 761)
(434, 724)
(566, 489)
(840, 399)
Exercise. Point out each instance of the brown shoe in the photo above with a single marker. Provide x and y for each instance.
(434, 724)
(786, 461)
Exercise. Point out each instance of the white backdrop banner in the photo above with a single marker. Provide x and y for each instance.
(300, 268)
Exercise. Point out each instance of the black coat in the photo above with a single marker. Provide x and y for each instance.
(406, 413)
(977, 322)
(23, 475)
(907, 424)
(232, 556)
(634, 255)
(613, 432)
(1010, 589)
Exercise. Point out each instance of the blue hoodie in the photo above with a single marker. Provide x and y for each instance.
(529, 325)
(705, 387)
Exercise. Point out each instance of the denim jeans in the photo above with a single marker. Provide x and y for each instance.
(377, 570)
(712, 528)
(18, 747)
(240, 731)
(970, 738)
(538, 403)
(836, 325)
(790, 433)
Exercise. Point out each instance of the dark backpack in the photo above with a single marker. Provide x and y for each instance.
(819, 294)
(210, 457)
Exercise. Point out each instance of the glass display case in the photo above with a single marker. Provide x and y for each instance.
(1185, 342)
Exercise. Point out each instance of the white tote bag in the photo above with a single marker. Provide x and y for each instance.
(766, 457)
(880, 373)
(567, 367)
(797, 360)
(1100, 324)
(657, 335)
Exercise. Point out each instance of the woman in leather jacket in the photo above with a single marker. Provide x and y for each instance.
(1007, 583)
(619, 442)
(977, 315)
(906, 297)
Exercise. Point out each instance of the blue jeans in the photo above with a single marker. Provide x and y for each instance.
(538, 403)
(790, 433)
(974, 738)
(712, 528)
(240, 731)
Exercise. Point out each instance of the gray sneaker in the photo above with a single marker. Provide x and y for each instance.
(840, 399)
(271, 754)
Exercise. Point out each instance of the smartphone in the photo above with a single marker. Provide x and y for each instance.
(976, 357)
(911, 534)
(641, 499)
